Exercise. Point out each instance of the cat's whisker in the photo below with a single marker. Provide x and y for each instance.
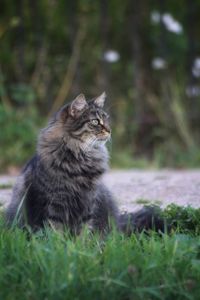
(110, 138)
(88, 144)
(93, 142)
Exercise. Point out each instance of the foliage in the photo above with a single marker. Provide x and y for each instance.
(51, 265)
(91, 46)
(18, 138)
(183, 219)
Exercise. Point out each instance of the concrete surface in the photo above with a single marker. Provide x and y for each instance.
(133, 188)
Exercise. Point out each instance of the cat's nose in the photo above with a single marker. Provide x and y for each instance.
(107, 129)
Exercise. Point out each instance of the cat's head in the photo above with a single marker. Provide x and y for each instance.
(85, 122)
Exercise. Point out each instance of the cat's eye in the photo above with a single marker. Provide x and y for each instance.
(94, 122)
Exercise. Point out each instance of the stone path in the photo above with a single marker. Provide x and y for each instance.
(134, 188)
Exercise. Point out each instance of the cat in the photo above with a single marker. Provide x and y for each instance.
(61, 186)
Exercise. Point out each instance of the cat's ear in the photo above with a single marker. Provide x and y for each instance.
(78, 105)
(99, 101)
(62, 113)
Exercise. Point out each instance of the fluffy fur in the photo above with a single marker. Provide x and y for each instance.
(61, 185)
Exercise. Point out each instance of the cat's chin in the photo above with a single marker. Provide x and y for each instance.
(103, 137)
(100, 142)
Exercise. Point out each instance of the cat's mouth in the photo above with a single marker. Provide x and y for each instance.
(96, 141)
(104, 137)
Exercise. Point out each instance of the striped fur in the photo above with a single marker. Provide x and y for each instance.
(61, 185)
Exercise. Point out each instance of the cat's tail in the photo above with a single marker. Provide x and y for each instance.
(147, 218)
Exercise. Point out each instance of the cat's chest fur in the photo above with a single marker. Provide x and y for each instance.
(69, 173)
(65, 190)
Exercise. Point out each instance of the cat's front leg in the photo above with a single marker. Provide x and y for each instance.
(105, 212)
(55, 225)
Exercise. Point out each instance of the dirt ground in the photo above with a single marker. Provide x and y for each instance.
(134, 188)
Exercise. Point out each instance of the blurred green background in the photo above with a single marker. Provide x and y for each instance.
(144, 54)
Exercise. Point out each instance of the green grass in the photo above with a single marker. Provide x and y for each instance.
(4, 186)
(54, 266)
(124, 160)
(148, 202)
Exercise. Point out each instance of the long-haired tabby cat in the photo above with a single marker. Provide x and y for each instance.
(61, 185)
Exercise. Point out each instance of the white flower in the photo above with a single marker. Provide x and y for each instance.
(197, 62)
(158, 63)
(155, 17)
(196, 67)
(111, 56)
(193, 91)
(171, 24)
